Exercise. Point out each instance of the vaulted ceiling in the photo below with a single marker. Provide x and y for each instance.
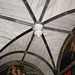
(15, 19)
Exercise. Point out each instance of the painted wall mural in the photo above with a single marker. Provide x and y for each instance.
(19, 68)
(66, 64)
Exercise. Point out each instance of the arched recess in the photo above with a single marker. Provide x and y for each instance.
(66, 59)
(24, 66)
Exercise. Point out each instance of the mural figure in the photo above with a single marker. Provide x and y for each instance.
(19, 69)
(68, 58)
(15, 71)
(72, 49)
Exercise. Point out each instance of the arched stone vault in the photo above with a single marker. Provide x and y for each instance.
(17, 17)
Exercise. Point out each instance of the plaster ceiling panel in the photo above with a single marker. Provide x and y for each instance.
(39, 63)
(15, 9)
(10, 30)
(37, 7)
(65, 23)
(58, 6)
(38, 47)
(55, 41)
(71, 5)
(14, 2)
(18, 45)
(12, 57)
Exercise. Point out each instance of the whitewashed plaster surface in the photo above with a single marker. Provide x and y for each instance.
(9, 30)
